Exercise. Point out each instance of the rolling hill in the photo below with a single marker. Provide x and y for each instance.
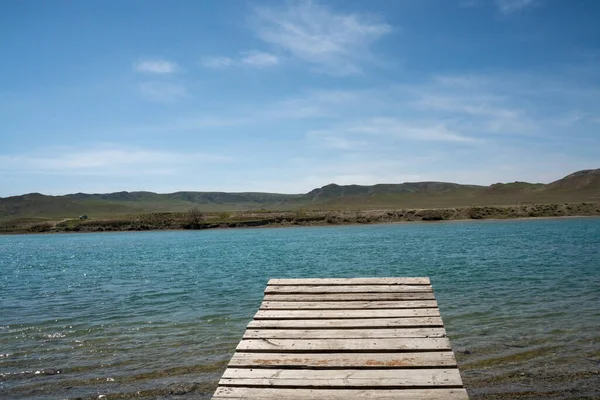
(581, 186)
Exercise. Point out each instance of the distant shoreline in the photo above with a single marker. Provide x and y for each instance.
(196, 220)
(316, 225)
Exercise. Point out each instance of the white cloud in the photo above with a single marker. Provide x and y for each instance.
(384, 131)
(477, 106)
(413, 130)
(509, 6)
(104, 160)
(217, 62)
(163, 92)
(156, 66)
(332, 42)
(483, 112)
(485, 104)
(335, 141)
(254, 59)
(259, 59)
(314, 104)
(461, 81)
(336, 43)
(445, 109)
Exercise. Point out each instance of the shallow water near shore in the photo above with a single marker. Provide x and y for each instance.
(158, 314)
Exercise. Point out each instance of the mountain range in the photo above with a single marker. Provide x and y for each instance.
(581, 186)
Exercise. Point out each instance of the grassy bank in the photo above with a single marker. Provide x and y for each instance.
(195, 219)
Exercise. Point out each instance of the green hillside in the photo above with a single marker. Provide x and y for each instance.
(581, 186)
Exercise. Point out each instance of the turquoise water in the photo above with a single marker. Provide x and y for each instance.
(158, 314)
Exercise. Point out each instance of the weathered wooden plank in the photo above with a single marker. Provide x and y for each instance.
(343, 333)
(347, 323)
(368, 378)
(357, 305)
(228, 392)
(351, 281)
(385, 344)
(348, 289)
(350, 297)
(344, 360)
(329, 314)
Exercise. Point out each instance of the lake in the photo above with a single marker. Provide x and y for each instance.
(158, 314)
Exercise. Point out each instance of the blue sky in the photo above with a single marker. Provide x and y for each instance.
(286, 96)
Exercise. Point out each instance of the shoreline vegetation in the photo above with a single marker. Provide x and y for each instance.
(577, 194)
(196, 219)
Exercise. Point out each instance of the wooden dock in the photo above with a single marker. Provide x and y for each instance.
(356, 338)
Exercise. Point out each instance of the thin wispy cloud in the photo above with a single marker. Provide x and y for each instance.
(105, 160)
(446, 110)
(259, 59)
(375, 129)
(335, 140)
(461, 81)
(156, 66)
(510, 6)
(412, 130)
(252, 59)
(163, 92)
(333, 42)
(217, 62)
(481, 106)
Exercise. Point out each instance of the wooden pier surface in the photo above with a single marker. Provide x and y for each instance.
(356, 338)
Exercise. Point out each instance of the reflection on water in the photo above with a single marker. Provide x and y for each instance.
(158, 314)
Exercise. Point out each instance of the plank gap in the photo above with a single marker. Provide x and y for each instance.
(340, 351)
(359, 367)
(337, 387)
(348, 327)
(326, 318)
(349, 281)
